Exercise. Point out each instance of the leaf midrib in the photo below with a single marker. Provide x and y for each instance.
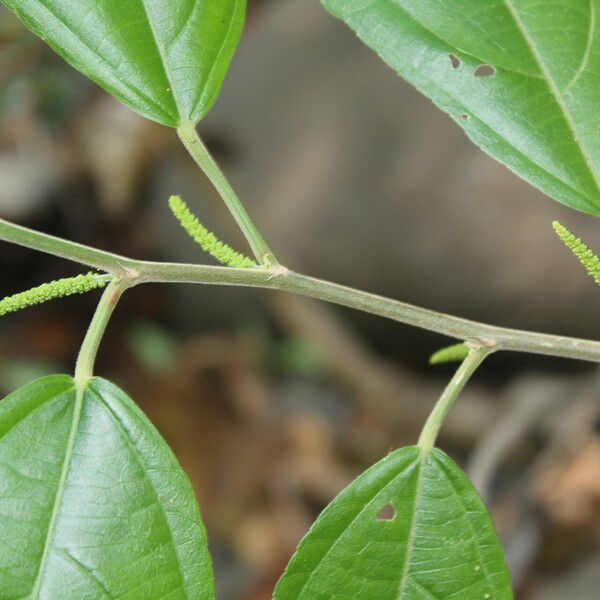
(134, 89)
(556, 93)
(424, 455)
(163, 61)
(60, 491)
(582, 193)
(117, 421)
(224, 41)
(408, 467)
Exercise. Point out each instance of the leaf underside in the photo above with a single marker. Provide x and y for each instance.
(164, 59)
(537, 110)
(436, 542)
(93, 504)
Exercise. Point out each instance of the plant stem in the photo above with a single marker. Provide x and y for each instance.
(191, 140)
(86, 255)
(134, 272)
(432, 427)
(84, 367)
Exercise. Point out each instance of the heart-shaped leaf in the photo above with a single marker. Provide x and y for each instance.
(410, 528)
(521, 76)
(164, 59)
(93, 504)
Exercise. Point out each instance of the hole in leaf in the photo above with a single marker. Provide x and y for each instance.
(454, 60)
(465, 117)
(484, 71)
(387, 513)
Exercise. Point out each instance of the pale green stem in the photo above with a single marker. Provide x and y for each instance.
(84, 368)
(86, 255)
(279, 278)
(191, 140)
(432, 427)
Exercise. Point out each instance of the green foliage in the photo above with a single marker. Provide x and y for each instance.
(94, 503)
(54, 289)
(586, 257)
(496, 69)
(165, 60)
(449, 354)
(410, 528)
(207, 240)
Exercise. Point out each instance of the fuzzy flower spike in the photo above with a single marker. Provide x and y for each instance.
(207, 240)
(54, 289)
(586, 257)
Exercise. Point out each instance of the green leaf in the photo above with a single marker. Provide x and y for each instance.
(537, 113)
(410, 528)
(93, 504)
(164, 59)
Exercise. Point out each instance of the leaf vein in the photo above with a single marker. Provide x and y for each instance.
(553, 88)
(588, 49)
(136, 91)
(413, 526)
(131, 444)
(358, 515)
(86, 571)
(60, 490)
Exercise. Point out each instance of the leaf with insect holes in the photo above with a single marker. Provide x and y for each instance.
(93, 504)
(411, 527)
(165, 60)
(522, 77)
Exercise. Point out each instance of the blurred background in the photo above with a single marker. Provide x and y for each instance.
(274, 403)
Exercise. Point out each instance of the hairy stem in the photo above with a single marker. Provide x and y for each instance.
(85, 255)
(84, 367)
(279, 278)
(191, 140)
(432, 427)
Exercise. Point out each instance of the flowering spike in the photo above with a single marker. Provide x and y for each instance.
(586, 257)
(449, 354)
(207, 240)
(54, 289)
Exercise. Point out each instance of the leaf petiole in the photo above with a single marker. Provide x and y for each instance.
(84, 367)
(434, 422)
(199, 152)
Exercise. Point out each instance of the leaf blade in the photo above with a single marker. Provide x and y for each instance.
(537, 113)
(165, 60)
(121, 521)
(421, 552)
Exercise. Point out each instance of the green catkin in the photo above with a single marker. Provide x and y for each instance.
(449, 354)
(207, 240)
(586, 257)
(54, 289)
